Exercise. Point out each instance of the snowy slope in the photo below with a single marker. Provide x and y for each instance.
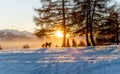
(9, 34)
(85, 60)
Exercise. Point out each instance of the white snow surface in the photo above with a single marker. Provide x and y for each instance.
(84, 60)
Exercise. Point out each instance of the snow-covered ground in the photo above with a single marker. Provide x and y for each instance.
(84, 60)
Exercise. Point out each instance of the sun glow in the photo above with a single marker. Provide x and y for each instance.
(60, 34)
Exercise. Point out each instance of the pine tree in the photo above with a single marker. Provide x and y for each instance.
(55, 13)
(93, 11)
(111, 25)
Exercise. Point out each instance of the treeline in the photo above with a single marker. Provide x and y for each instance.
(78, 17)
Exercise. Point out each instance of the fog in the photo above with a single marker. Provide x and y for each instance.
(13, 44)
(19, 44)
(36, 43)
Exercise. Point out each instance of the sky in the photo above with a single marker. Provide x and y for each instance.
(18, 14)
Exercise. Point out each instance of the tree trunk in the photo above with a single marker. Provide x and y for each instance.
(64, 26)
(68, 43)
(117, 36)
(87, 25)
(91, 36)
(91, 20)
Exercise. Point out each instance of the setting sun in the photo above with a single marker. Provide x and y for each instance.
(60, 34)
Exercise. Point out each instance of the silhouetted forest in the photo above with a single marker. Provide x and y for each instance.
(98, 20)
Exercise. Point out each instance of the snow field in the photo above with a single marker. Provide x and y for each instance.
(84, 60)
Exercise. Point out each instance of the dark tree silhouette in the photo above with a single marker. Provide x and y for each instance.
(111, 25)
(93, 11)
(68, 43)
(0, 47)
(54, 13)
(76, 16)
(74, 43)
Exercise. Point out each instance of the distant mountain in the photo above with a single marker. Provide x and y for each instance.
(9, 34)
